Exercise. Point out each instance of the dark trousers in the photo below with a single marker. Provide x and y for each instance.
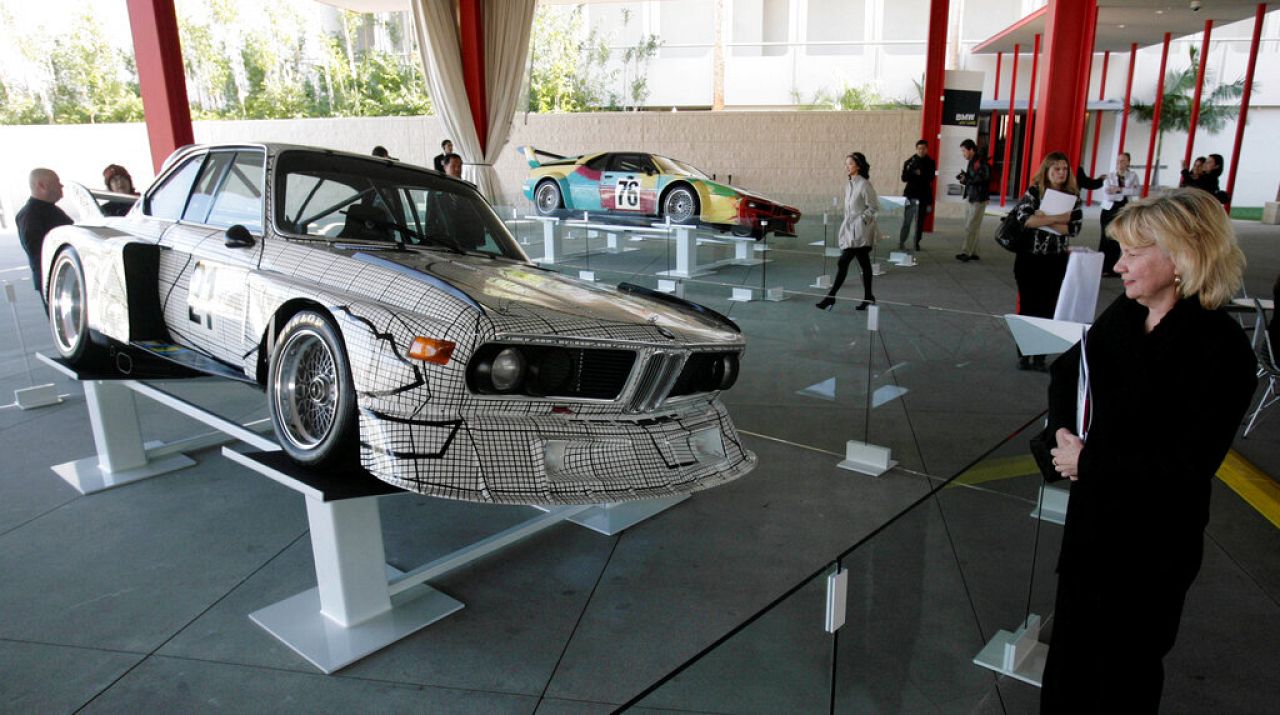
(1039, 278)
(863, 254)
(1109, 247)
(917, 210)
(1108, 644)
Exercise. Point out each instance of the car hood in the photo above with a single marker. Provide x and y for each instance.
(512, 294)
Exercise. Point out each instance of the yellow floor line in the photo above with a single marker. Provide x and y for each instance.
(991, 470)
(1253, 485)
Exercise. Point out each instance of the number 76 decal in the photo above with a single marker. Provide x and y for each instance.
(626, 194)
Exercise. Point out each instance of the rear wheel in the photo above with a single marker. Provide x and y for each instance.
(680, 205)
(309, 389)
(68, 314)
(547, 198)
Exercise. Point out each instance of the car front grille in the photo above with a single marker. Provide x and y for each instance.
(601, 374)
(658, 376)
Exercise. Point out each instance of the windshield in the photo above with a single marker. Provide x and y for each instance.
(671, 166)
(351, 198)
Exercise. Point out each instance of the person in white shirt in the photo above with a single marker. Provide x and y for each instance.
(1117, 188)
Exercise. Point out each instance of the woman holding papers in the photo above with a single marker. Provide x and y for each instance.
(858, 231)
(1050, 213)
(1139, 423)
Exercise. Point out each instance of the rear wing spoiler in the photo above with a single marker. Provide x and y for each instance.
(531, 155)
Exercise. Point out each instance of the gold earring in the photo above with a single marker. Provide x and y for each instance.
(1177, 279)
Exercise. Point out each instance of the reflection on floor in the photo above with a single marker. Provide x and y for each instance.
(137, 598)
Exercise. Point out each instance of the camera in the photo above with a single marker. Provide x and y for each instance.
(1195, 5)
(960, 177)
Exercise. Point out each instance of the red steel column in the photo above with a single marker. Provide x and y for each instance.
(471, 46)
(1068, 44)
(995, 116)
(163, 85)
(1128, 93)
(1097, 123)
(1031, 116)
(935, 64)
(1195, 103)
(1155, 118)
(1244, 101)
(1008, 126)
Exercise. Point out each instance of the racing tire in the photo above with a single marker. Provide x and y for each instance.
(67, 301)
(310, 394)
(547, 199)
(681, 205)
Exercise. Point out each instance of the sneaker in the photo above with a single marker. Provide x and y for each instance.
(963, 257)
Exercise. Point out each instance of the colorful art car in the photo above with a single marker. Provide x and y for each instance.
(639, 184)
(395, 324)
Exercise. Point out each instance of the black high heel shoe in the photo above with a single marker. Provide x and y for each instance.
(865, 302)
(825, 303)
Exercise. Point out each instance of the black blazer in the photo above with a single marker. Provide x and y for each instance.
(1165, 408)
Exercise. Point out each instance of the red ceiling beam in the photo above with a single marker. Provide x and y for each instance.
(1244, 101)
(1128, 93)
(1097, 122)
(1155, 118)
(934, 78)
(163, 85)
(1008, 131)
(1195, 102)
(1030, 120)
(471, 46)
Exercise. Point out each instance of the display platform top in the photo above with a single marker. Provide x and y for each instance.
(327, 485)
(139, 369)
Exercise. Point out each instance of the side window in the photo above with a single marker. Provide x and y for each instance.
(168, 200)
(239, 200)
(633, 163)
(202, 195)
(598, 163)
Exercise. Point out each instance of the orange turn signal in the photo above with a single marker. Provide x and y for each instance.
(431, 350)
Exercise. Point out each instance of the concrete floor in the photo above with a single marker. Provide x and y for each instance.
(137, 598)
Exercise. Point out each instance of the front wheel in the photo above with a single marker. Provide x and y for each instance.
(309, 390)
(68, 314)
(547, 198)
(680, 205)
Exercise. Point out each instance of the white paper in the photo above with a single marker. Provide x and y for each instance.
(1056, 202)
(1078, 297)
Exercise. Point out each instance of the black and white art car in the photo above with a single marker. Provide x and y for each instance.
(390, 317)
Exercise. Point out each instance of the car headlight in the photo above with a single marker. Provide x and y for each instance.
(724, 372)
(506, 370)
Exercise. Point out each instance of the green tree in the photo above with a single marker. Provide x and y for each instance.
(566, 73)
(92, 81)
(20, 107)
(1217, 103)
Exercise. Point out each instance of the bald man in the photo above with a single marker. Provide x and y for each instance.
(38, 217)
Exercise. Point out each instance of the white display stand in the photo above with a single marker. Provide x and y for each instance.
(742, 295)
(552, 250)
(686, 253)
(28, 398)
(822, 281)
(122, 455)
(1052, 504)
(1019, 654)
(360, 604)
(859, 455)
(902, 259)
(674, 287)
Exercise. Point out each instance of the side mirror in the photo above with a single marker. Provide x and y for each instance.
(238, 237)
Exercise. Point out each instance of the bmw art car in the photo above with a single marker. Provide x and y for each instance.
(648, 185)
(395, 324)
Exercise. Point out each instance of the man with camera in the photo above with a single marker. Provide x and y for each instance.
(918, 171)
(974, 178)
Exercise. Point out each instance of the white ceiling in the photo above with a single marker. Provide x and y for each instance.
(1124, 22)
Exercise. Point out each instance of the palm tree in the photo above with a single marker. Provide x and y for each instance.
(1216, 104)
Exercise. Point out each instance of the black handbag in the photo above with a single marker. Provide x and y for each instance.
(1010, 234)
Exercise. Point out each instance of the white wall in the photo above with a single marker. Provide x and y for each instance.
(795, 157)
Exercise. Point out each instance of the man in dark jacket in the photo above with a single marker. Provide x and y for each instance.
(975, 177)
(38, 217)
(918, 171)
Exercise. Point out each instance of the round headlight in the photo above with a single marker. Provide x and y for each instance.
(507, 370)
(726, 371)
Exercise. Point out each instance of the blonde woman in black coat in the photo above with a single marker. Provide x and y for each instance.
(1169, 379)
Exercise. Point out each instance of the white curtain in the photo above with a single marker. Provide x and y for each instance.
(507, 26)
